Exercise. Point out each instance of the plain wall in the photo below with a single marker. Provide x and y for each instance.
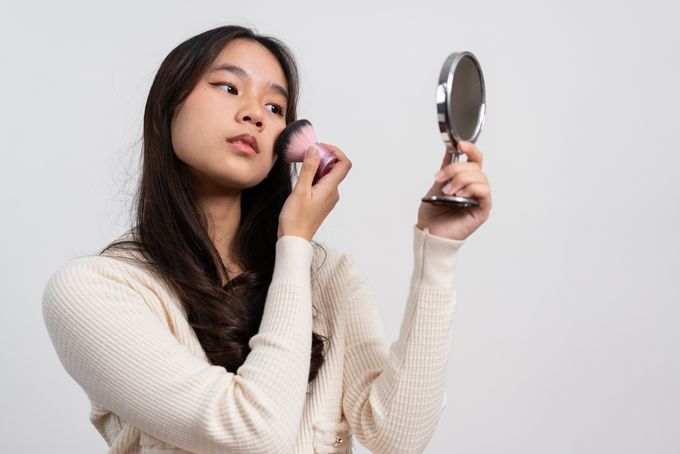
(566, 334)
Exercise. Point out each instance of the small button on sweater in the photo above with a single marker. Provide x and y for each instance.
(123, 336)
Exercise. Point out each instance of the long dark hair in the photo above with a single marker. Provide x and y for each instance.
(171, 229)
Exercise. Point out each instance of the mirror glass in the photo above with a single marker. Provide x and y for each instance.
(466, 99)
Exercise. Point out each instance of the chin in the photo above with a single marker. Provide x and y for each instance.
(239, 177)
(240, 185)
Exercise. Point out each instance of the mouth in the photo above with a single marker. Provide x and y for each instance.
(243, 148)
(245, 142)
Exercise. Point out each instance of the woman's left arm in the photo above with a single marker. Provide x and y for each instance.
(393, 395)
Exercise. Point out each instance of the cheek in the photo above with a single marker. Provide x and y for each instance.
(180, 132)
(194, 128)
(276, 135)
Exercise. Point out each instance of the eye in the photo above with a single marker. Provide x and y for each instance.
(220, 84)
(278, 110)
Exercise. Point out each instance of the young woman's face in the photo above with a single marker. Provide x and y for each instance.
(248, 98)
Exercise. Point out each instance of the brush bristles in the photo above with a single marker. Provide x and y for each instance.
(294, 141)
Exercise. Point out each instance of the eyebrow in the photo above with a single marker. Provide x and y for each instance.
(240, 72)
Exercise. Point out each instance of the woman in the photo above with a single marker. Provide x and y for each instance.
(219, 325)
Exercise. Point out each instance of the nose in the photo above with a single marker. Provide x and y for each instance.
(258, 123)
(250, 112)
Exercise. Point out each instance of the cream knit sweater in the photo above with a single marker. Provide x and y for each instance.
(122, 335)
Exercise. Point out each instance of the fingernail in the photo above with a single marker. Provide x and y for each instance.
(448, 189)
(311, 151)
(440, 176)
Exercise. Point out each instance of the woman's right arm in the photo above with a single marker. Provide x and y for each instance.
(127, 360)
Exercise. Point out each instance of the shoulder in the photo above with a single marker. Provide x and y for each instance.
(108, 266)
(85, 280)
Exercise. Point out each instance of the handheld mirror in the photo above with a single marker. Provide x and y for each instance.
(461, 105)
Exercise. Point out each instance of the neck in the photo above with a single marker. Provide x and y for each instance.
(225, 211)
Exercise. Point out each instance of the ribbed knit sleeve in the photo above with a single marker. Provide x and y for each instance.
(394, 394)
(128, 361)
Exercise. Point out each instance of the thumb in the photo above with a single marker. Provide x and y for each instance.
(309, 167)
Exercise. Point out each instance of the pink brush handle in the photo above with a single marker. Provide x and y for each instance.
(327, 160)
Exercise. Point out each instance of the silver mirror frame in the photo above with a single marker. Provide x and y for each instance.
(447, 129)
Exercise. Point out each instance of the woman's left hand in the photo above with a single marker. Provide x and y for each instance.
(466, 180)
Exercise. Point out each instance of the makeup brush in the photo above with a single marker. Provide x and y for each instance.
(294, 141)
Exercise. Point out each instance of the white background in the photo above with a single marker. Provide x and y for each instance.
(566, 335)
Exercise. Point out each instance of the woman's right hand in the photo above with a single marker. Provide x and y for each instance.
(308, 205)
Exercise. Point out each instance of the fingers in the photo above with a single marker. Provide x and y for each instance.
(452, 169)
(340, 169)
(463, 173)
(473, 153)
(309, 166)
(467, 148)
(461, 180)
(479, 191)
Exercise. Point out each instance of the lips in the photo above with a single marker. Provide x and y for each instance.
(245, 139)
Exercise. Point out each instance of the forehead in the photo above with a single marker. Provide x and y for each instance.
(254, 58)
